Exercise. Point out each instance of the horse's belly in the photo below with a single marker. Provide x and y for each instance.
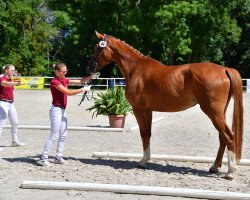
(173, 105)
(162, 102)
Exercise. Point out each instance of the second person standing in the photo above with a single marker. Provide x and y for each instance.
(58, 119)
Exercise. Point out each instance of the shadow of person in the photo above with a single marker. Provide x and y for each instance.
(29, 160)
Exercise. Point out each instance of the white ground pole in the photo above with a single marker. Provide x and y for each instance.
(175, 158)
(153, 121)
(131, 189)
(81, 128)
(75, 128)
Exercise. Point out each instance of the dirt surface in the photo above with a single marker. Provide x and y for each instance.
(183, 133)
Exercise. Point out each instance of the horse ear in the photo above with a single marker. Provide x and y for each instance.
(99, 35)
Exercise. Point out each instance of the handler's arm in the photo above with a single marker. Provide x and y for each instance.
(5, 83)
(82, 80)
(65, 90)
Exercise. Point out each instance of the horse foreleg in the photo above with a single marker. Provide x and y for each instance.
(145, 158)
(144, 119)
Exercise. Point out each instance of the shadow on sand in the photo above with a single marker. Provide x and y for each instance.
(123, 164)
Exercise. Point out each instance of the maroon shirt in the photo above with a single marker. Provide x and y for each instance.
(59, 98)
(6, 92)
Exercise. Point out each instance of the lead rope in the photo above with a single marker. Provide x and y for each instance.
(88, 95)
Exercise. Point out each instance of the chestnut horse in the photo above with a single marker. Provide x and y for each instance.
(152, 86)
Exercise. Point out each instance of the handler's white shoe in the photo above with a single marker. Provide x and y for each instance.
(60, 160)
(1, 149)
(44, 162)
(18, 144)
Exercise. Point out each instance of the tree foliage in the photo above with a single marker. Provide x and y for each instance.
(35, 33)
(196, 31)
(27, 27)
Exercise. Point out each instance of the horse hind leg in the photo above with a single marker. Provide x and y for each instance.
(226, 139)
(218, 162)
(144, 119)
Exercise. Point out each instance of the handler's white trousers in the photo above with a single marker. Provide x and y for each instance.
(58, 123)
(8, 110)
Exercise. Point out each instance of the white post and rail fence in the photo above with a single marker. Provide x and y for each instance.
(100, 83)
(44, 82)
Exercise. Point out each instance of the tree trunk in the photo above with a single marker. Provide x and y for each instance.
(171, 53)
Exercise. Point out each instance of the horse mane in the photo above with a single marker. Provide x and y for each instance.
(133, 49)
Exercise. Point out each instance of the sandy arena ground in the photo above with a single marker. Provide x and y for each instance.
(184, 133)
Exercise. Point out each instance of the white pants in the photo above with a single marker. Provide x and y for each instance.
(8, 110)
(58, 123)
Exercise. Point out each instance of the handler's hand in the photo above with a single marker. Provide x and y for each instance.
(17, 83)
(95, 75)
(86, 88)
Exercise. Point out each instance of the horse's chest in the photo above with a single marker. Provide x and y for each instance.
(135, 99)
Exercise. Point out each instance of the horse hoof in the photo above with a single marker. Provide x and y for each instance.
(229, 176)
(141, 166)
(214, 169)
(232, 169)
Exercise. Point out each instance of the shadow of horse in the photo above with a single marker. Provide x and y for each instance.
(128, 165)
(125, 165)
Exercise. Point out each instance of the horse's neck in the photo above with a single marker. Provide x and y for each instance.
(127, 59)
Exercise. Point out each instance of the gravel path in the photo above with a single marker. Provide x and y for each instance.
(184, 133)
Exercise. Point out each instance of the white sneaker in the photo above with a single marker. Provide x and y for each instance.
(60, 160)
(18, 144)
(1, 149)
(44, 162)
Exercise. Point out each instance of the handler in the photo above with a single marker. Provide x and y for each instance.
(59, 90)
(7, 107)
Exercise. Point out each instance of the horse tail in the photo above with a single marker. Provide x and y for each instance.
(237, 123)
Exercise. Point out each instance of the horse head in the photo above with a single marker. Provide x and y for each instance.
(102, 55)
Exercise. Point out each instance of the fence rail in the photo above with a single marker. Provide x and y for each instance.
(103, 83)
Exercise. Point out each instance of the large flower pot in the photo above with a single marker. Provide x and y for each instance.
(117, 121)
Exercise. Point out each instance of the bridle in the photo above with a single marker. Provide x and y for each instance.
(93, 63)
(91, 67)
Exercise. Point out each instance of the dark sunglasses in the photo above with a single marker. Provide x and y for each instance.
(64, 72)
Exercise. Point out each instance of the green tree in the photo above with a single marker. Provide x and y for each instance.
(237, 55)
(27, 29)
(196, 30)
(34, 33)
(87, 16)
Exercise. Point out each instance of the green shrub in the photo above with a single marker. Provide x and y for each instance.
(112, 102)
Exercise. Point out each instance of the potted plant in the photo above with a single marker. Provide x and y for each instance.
(112, 103)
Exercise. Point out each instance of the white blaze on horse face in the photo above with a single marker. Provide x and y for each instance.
(231, 161)
(102, 44)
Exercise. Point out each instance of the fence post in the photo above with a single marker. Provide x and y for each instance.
(248, 85)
